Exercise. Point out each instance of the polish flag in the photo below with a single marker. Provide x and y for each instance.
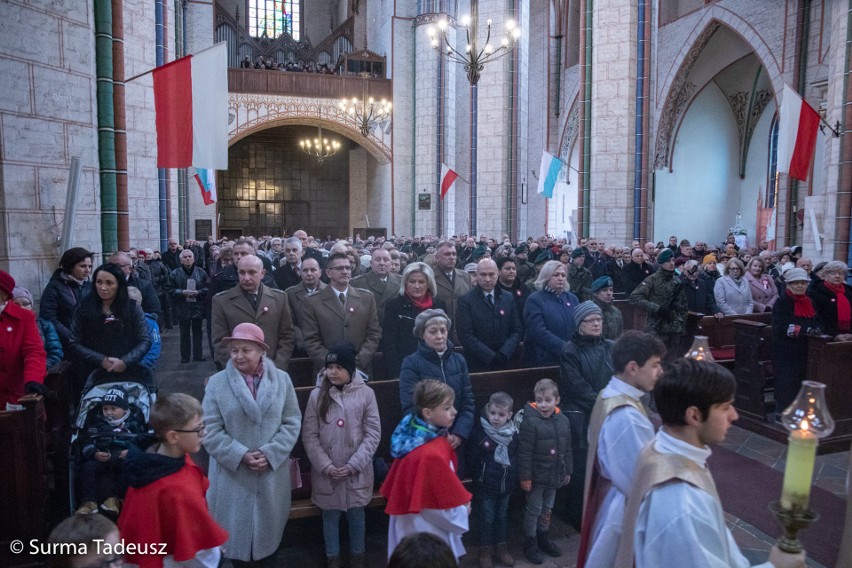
(448, 178)
(798, 124)
(191, 103)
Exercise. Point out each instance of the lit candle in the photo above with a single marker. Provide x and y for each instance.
(799, 470)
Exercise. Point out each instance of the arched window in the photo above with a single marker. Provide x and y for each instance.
(274, 17)
(772, 165)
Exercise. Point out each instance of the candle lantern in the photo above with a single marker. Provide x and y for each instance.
(700, 350)
(808, 420)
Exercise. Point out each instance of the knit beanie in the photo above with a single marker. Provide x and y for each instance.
(665, 256)
(342, 354)
(7, 283)
(19, 292)
(584, 310)
(708, 258)
(116, 396)
(425, 316)
(796, 275)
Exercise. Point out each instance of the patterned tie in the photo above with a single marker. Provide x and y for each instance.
(490, 300)
(342, 297)
(253, 301)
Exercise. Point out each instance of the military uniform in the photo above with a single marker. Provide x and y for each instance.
(580, 280)
(662, 296)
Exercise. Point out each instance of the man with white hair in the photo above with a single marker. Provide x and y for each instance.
(289, 273)
(150, 302)
(379, 280)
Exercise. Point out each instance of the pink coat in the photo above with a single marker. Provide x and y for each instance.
(349, 435)
(22, 356)
(764, 296)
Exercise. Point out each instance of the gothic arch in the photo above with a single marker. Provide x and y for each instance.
(250, 114)
(680, 91)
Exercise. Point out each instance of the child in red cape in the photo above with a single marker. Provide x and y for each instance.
(165, 505)
(422, 489)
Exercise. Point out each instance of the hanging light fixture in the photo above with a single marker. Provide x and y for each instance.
(366, 112)
(319, 147)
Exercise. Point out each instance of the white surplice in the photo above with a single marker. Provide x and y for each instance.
(447, 524)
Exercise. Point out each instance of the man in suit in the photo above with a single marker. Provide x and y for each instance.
(252, 301)
(487, 320)
(452, 282)
(379, 280)
(341, 313)
(308, 252)
(297, 296)
(288, 274)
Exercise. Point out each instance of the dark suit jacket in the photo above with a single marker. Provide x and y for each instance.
(231, 308)
(285, 277)
(328, 322)
(383, 291)
(485, 331)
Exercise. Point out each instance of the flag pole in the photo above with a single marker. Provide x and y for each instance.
(170, 62)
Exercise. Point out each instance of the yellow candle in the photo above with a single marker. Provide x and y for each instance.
(799, 470)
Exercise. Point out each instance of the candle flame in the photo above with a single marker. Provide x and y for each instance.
(804, 425)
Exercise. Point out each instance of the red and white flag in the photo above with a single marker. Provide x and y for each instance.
(798, 124)
(191, 102)
(448, 178)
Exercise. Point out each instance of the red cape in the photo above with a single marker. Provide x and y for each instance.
(171, 510)
(423, 479)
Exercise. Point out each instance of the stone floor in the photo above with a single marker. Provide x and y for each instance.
(303, 546)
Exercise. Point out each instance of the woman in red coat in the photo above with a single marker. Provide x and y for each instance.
(22, 356)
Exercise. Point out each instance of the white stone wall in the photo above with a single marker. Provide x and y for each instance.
(47, 116)
(404, 81)
(357, 188)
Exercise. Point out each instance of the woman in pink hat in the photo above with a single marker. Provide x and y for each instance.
(253, 422)
(22, 356)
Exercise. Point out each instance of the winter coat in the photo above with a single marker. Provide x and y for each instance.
(662, 290)
(58, 302)
(548, 324)
(764, 297)
(22, 356)
(52, 344)
(450, 368)
(544, 448)
(182, 308)
(150, 301)
(348, 435)
(580, 280)
(398, 340)
(490, 477)
(733, 297)
(699, 296)
(153, 354)
(585, 368)
(520, 292)
(94, 337)
(633, 274)
(252, 506)
(489, 334)
(101, 437)
(825, 303)
(790, 352)
(159, 275)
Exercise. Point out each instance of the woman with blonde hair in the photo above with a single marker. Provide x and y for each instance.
(731, 291)
(762, 286)
(549, 315)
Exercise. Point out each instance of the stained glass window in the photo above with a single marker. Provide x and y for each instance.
(274, 17)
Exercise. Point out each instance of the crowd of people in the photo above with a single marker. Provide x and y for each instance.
(541, 301)
(291, 66)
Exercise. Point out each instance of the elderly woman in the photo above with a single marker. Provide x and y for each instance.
(549, 316)
(731, 291)
(109, 330)
(253, 422)
(49, 337)
(435, 359)
(22, 357)
(832, 298)
(417, 292)
(69, 283)
(793, 320)
(764, 293)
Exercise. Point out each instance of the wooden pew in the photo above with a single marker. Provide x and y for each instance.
(58, 408)
(634, 317)
(753, 369)
(23, 479)
(721, 334)
(829, 362)
(517, 383)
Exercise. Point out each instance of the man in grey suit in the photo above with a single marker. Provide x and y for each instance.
(452, 282)
(341, 313)
(297, 296)
(379, 280)
(255, 303)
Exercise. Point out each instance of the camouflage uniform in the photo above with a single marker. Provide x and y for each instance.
(580, 280)
(662, 291)
(613, 321)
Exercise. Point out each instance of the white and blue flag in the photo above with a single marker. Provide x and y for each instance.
(550, 167)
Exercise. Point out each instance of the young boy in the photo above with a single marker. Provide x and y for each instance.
(493, 461)
(153, 354)
(165, 504)
(104, 450)
(544, 465)
(673, 516)
(618, 430)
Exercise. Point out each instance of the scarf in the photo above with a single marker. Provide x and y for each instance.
(410, 434)
(844, 310)
(802, 306)
(423, 303)
(253, 379)
(503, 436)
(547, 288)
(118, 422)
(68, 278)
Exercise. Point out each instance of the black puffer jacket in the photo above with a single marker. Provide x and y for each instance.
(58, 301)
(544, 449)
(585, 368)
(489, 476)
(94, 337)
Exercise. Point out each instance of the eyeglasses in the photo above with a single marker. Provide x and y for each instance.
(200, 430)
(340, 268)
(592, 320)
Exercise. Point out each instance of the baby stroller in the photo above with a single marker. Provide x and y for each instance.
(141, 396)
